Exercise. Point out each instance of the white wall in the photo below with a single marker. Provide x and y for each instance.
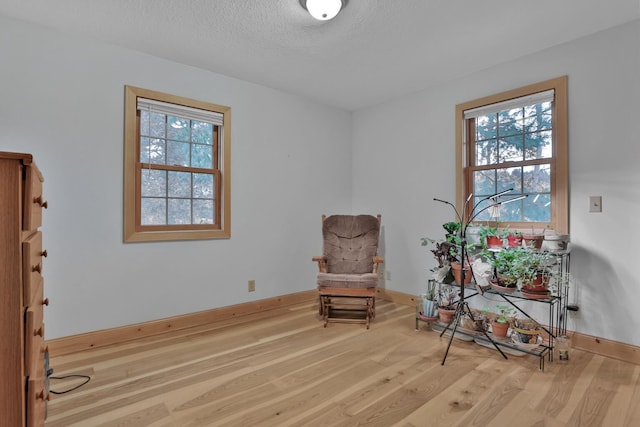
(403, 154)
(61, 99)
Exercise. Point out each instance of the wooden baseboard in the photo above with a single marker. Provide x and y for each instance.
(75, 343)
(606, 347)
(101, 338)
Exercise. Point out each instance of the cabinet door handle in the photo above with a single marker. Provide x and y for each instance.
(37, 268)
(44, 253)
(39, 332)
(39, 201)
(45, 301)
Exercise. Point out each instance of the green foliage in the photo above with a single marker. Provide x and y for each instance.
(431, 290)
(532, 264)
(447, 296)
(504, 313)
(444, 251)
(448, 250)
(488, 230)
(508, 261)
(451, 227)
(519, 263)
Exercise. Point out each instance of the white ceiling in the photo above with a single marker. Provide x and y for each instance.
(373, 51)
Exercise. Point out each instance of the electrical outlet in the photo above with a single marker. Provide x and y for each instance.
(595, 203)
(252, 285)
(387, 275)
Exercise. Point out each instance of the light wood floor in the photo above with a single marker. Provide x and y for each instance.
(282, 368)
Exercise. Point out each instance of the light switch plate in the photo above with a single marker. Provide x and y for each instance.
(595, 203)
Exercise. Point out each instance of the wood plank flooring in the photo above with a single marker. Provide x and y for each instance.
(282, 368)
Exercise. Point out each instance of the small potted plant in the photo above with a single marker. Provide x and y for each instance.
(490, 237)
(478, 323)
(456, 251)
(554, 242)
(452, 229)
(507, 264)
(535, 272)
(448, 255)
(533, 240)
(501, 320)
(444, 257)
(447, 303)
(429, 302)
(514, 239)
(526, 332)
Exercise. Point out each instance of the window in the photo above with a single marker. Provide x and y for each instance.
(177, 168)
(516, 140)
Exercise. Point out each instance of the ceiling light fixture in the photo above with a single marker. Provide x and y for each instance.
(323, 10)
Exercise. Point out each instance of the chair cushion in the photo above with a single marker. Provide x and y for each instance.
(350, 243)
(367, 280)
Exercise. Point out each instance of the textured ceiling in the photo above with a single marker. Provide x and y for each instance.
(373, 51)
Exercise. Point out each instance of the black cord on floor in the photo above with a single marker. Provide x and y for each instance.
(87, 378)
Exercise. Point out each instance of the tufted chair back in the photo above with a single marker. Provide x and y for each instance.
(350, 243)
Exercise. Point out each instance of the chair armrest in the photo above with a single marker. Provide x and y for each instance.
(322, 263)
(377, 260)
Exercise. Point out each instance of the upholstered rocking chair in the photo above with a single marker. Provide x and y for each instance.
(348, 268)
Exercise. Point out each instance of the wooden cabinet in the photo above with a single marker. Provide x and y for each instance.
(23, 395)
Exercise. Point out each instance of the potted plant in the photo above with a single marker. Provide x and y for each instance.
(448, 255)
(508, 268)
(447, 301)
(535, 272)
(525, 331)
(533, 240)
(530, 269)
(490, 236)
(478, 323)
(457, 262)
(457, 269)
(452, 229)
(443, 255)
(429, 302)
(514, 239)
(554, 242)
(501, 320)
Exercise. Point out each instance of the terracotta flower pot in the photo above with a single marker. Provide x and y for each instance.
(499, 329)
(514, 241)
(494, 242)
(505, 283)
(539, 283)
(504, 289)
(456, 267)
(446, 315)
(533, 241)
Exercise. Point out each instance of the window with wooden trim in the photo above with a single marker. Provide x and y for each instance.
(177, 168)
(516, 140)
